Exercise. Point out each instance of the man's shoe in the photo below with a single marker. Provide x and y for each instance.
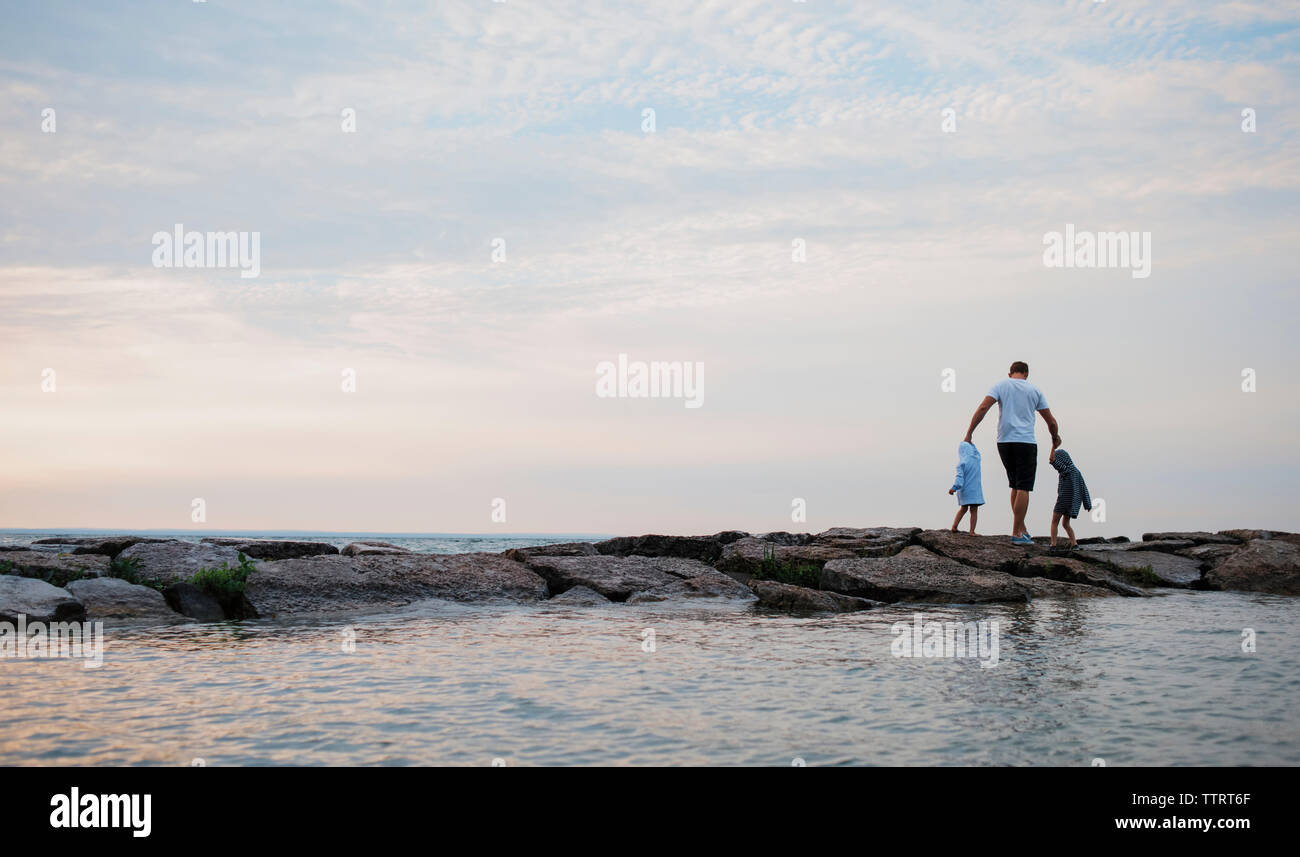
(1022, 540)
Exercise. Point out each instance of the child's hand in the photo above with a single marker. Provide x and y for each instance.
(951, 491)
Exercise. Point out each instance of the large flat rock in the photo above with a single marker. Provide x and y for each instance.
(173, 561)
(562, 549)
(57, 569)
(1210, 555)
(917, 574)
(1044, 587)
(105, 545)
(1169, 569)
(801, 599)
(113, 598)
(1069, 570)
(995, 553)
(618, 578)
(37, 600)
(868, 541)
(750, 557)
(706, 584)
(702, 548)
(1265, 535)
(1262, 565)
(1196, 537)
(372, 549)
(323, 584)
(274, 548)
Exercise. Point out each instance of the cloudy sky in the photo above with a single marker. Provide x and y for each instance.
(666, 236)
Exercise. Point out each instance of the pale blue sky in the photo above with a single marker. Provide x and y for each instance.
(523, 121)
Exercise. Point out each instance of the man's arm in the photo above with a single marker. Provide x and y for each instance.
(979, 416)
(1052, 426)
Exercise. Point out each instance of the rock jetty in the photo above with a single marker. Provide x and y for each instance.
(138, 579)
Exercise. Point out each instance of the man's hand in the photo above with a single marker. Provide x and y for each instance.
(1051, 456)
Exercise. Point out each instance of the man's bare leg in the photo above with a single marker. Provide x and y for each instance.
(1019, 508)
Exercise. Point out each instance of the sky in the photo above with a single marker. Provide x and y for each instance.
(837, 210)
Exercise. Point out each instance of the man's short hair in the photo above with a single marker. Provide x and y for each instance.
(1020, 366)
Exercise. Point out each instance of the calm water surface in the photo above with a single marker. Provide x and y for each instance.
(1158, 681)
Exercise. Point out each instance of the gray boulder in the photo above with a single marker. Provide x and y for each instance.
(801, 599)
(1069, 570)
(746, 558)
(112, 598)
(1263, 565)
(1166, 545)
(274, 548)
(57, 569)
(563, 549)
(995, 553)
(104, 545)
(189, 600)
(1167, 569)
(706, 584)
(868, 541)
(372, 549)
(618, 578)
(173, 561)
(702, 548)
(1262, 535)
(916, 574)
(1209, 555)
(325, 584)
(37, 600)
(1196, 538)
(1044, 587)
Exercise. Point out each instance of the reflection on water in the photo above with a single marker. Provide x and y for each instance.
(1159, 681)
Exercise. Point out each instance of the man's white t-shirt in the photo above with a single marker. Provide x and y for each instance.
(1018, 403)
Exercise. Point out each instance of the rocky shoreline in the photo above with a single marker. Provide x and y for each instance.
(141, 579)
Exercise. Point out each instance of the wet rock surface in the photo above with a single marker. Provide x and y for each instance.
(801, 599)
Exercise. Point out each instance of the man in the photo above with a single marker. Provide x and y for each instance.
(1017, 401)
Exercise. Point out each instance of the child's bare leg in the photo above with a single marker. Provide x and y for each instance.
(961, 510)
(1056, 519)
(1070, 532)
(974, 517)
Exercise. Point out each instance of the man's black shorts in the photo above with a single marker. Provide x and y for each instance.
(1021, 462)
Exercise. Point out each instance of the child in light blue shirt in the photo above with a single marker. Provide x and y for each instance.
(968, 486)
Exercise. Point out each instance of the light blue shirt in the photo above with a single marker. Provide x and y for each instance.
(1018, 403)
